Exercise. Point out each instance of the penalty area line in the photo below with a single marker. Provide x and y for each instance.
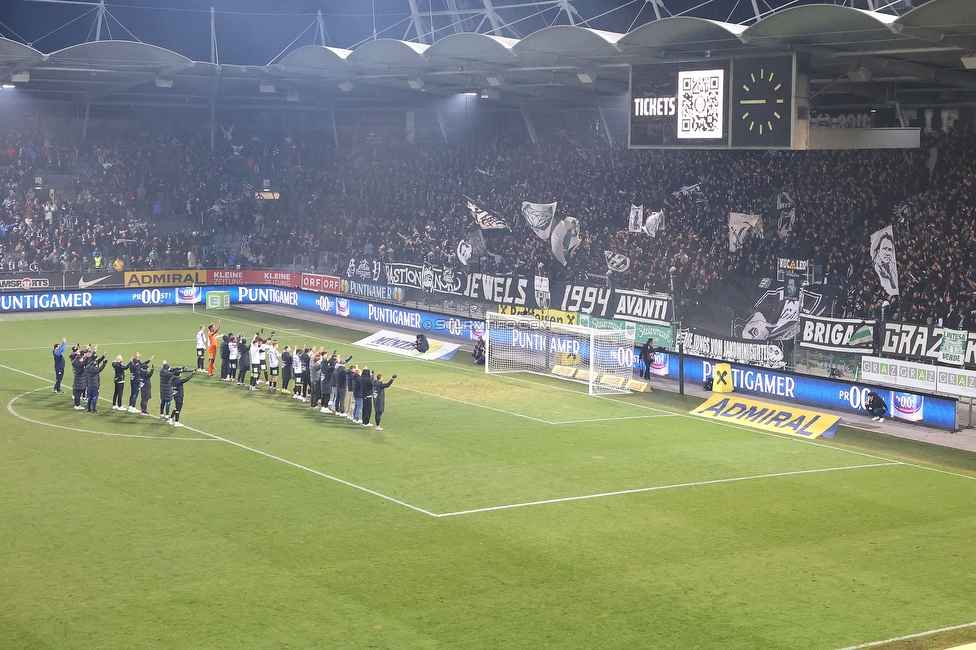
(907, 637)
(662, 487)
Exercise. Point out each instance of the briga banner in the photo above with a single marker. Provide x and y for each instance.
(836, 334)
(768, 417)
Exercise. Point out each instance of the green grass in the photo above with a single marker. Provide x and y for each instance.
(153, 542)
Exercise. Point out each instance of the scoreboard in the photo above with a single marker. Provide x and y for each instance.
(714, 104)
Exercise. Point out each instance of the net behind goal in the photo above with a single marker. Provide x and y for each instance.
(602, 359)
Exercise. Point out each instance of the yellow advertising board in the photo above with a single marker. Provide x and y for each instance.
(564, 371)
(768, 417)
(547, 315)
(142, 279)
(638, 386)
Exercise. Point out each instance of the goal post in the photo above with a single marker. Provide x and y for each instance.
(602, 359)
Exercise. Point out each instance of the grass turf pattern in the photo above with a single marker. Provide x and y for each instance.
(492, 512)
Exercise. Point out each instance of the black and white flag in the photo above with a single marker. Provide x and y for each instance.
(741, 227)
(485, 219)
(616, 262)
(565, 238)
(883, 259)
(464, 252)
(785, 214)
(636, 221)
(540, 217)
(654, 222)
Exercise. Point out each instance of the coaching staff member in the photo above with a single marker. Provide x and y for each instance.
(59, 364)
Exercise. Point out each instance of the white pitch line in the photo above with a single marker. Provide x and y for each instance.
(662, 487)
(622, 417)
(917, 635)
(48, 347)
(229, 442)
(481, 406)
(314, 471)
(10, 407)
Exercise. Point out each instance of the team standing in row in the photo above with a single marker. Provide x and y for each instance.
(320, 379)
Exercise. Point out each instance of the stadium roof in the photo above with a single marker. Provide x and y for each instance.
(858, 59)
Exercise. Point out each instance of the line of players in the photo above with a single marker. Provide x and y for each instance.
(87, 366)
(322, 380)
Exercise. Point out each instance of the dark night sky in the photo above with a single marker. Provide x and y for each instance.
(253, 32)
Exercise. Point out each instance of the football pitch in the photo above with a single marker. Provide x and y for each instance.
(506, 511)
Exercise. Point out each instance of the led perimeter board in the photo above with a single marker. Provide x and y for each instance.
(713, 104)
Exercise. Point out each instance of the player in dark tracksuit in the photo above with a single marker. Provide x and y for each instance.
(165, 390)
(93, 370)
(119, 382)
(224, 356)
(178, 382)
(58, 353)
(366, 383)
(78, 382)
(145, 387)
(306, 374)
(285, 368)
(339, 380)
(135, 369)
(243, 358)
(379, 390)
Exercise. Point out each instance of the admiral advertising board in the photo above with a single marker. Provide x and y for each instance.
(833, 394)
(142, 279)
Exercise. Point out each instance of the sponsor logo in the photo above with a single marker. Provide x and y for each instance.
(164, 278)
(403, 344)
(908, 406)
(324, 303)
(84, 284)
(264, 295)
(768, 417)
(328, 283)
(25, 283)
(188, 295)
(342, 307)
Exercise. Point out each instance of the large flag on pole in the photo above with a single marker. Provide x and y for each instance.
(540, 217)
(565, 238)
(741, 226)
(636, 221)
(883, 259)
(485, 219)
(653, 223)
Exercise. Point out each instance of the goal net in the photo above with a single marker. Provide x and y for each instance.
(602, 359)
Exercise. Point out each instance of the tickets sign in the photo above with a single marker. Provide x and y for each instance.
(768, 417)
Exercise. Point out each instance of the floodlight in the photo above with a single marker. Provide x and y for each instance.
(267, 88)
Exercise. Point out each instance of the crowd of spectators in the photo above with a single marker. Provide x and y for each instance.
(142, 198)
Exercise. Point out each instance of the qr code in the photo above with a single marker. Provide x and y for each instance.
(701, 96)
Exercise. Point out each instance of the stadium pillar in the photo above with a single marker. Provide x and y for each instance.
(681, 339)
(530, 126)
(605, 124)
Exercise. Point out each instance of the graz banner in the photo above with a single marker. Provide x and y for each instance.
(239, 277)
(323, 283)
(141, 279)
(893, 372)
(383, 292)
(836, 334)
(922, 342)
(768, 354)
(12, 282)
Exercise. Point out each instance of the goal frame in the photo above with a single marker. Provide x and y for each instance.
(595, 346)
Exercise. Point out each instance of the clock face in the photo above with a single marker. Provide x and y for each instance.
(762, 102)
